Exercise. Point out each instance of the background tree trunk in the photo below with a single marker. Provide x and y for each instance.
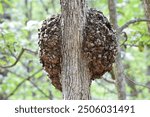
(146, 4)
(118, 68)
(147, 11)
(75, 74)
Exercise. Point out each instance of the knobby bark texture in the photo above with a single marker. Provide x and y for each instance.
(75, 75)
(146, 4)
(118, 67)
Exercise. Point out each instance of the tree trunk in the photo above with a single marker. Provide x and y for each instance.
(75, 73)
(118, 68)
(147, 11)
(146, 4)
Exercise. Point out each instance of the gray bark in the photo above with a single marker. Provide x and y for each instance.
(118, 67)
(113, 13)
(147, 11)
(146, 4)
(75, 73)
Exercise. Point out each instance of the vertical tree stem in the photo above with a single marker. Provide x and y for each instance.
(146, 4)
(75, 74)
(147, 11)
(118, 68)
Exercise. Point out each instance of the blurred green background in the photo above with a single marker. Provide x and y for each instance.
(25, 79)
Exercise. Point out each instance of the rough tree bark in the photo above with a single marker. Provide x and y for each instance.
(75, 74)
(118, 68)
(146, 4)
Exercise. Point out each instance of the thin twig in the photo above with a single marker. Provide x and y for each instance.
(109, 81)
(30, 51)
(19, 57)
(51, 95)
(136, 83)
(131, 22)
(126, 38)
(40, 90)
(23, 81)
(131, 45)
(18, 75)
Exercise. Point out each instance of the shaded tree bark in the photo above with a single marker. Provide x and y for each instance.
(146, 4)
(147, 11)
(75, 74)
(118, 68)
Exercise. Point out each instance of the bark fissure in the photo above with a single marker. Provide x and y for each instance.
(75, 73)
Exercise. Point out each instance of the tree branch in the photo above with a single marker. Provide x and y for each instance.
(19, 57)
(131, 22)
(138, 83)
(118, 69)
(40, 90)
(109, 81)
(30, 51)
(23, 81)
